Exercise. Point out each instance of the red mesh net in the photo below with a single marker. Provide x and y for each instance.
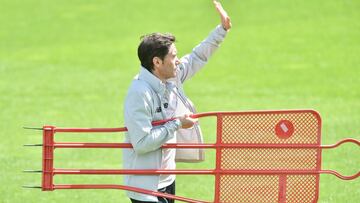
(269, 159)
(248, 188)
(295, 128)
(301, 188)
(260, 128)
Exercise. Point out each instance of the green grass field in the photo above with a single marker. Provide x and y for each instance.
(69, 64)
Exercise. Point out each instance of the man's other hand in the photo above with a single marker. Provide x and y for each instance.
(187, 121)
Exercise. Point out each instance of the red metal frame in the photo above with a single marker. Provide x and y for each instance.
(48, 158)
(220, 146)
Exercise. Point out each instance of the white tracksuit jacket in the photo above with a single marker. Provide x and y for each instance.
(144, 103)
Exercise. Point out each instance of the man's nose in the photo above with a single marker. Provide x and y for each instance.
(177, 62)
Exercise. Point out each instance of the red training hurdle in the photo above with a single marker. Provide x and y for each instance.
(261, 156)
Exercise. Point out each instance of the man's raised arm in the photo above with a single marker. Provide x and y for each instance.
(193, 62)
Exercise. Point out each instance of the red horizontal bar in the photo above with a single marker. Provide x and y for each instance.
(198, 115)
(198, 172)
(91, 145)
(105, 130)
(133, 172)
(133, 189)
(127, 145)
(124, 129)
(124, 145)
(341, 142)
(90, 130)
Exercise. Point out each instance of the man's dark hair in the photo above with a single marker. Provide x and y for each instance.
(154, 45)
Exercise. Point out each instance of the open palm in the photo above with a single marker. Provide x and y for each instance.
(225, 19)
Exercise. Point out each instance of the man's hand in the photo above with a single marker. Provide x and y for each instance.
(225, 19)
(187, 121)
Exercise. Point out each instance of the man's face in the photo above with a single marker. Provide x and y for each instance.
(167, 68)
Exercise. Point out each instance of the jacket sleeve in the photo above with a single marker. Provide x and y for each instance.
(193, 62)
(138, 117)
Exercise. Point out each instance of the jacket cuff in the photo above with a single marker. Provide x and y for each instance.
(220, 30)
(172, 126)
(177, 123)
(218, 34)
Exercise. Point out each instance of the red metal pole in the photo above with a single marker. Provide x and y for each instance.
(48, 158)
(90, 130)
(199, 172)
(139, 190)
(282, 188)
(133, 172)
(218, 157)
(198, 115)
(208, 146)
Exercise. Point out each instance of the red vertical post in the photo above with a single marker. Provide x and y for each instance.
(219, 119)
(282, 188)
(48, 158)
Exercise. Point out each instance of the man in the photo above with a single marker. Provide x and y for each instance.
(157, 94)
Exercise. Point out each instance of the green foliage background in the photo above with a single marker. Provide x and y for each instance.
(69, 63)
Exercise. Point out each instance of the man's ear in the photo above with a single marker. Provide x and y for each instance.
(157, 61)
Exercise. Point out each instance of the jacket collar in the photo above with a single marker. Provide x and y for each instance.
(155, 83)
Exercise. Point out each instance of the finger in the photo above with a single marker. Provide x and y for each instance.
(219, 8)
(217, 4)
